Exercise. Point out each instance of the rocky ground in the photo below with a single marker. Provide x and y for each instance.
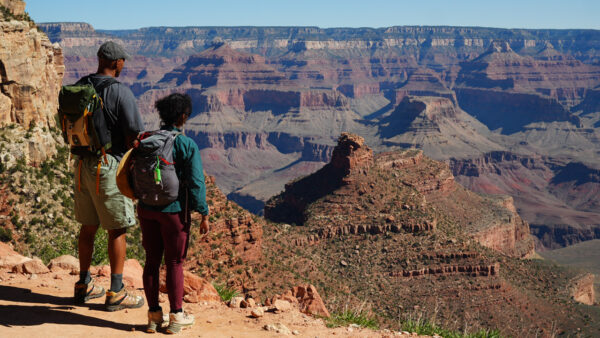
(36, 300)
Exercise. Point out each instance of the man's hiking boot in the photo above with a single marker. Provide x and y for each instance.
(84, 292)
(122, 300)
(179, 321)
(156, 320)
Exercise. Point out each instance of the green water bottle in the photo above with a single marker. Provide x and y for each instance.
(157, 177)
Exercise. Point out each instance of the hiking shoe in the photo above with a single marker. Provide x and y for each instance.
(84, 292)
(156, 319)
(179, 321)
(122, 300)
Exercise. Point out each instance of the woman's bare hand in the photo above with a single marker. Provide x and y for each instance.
(204, 226)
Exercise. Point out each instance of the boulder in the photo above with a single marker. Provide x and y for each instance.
(132, 274)
(280, 305)
(199, 289)
(279, 328)
(257, 312)
(65, 262)
(34, 266)
(104, 271)
(9, 258)
(236, 302)
(248, 303)
(309, 300)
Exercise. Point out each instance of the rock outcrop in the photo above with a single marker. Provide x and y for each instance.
(306, 297)
(549, 194)
(371, 193)
(16, 7)
(582, 289)
(31, 70)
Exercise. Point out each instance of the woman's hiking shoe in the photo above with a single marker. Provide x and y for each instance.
(122, 300)
(179, 321)
(156, 319)
(84, 292)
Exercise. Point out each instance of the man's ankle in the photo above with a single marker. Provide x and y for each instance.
(84, 277)
(116, 282)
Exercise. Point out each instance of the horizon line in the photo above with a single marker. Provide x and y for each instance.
(318, 27)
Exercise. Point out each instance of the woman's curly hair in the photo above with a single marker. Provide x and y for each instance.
(171, 107)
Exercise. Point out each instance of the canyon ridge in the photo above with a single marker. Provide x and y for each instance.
(512, 111)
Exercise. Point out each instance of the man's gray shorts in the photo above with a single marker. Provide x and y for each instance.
(106, 205)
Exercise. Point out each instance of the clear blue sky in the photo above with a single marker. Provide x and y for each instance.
(126, 14)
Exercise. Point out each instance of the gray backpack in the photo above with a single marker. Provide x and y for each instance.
(153, 176)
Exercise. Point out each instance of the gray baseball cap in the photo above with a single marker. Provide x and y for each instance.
(111, 50)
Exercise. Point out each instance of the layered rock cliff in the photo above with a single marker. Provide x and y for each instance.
(549, 194)
(31, 70)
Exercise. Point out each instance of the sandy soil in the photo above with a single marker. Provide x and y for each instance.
(40, 305)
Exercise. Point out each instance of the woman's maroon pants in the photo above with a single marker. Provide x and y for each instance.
(163, 232)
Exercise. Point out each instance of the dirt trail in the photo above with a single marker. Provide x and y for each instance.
(40, 305)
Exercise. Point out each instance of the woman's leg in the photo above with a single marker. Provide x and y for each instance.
(174, 239)
(153, 245)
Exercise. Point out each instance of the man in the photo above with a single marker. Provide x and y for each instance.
(97, 198)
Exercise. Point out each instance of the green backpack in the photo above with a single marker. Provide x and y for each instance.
(82, 117)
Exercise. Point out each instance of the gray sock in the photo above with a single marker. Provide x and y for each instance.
(84, 277)
(116, 282)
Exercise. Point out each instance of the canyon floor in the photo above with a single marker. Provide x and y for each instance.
(36, 305)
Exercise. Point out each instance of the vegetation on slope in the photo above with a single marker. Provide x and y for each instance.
(37, 202)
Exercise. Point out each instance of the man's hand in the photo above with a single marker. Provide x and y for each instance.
(204, 226)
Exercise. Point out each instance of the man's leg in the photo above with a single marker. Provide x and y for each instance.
(87, 234)
(117, 297)
(117, 250)
(84, 288)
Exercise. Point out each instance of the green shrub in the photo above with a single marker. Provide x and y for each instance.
(134, 244)
(357, 316)
(426, 327)
(100, 256)
(21, 165)
(5, 234)
(225, 292)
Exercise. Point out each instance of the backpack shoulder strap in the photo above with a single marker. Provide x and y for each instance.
(104, 84)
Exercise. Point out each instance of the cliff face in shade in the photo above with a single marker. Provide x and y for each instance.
(506, 90)
(31, 70)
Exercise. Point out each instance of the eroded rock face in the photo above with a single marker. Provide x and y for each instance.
(16, 7)
(511, 237)
(582, 289)
(351, 154)
(31, 70)
(539, 185)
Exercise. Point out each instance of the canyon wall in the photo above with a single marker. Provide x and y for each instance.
(31, 71)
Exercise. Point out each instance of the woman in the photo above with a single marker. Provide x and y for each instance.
(166, 228)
